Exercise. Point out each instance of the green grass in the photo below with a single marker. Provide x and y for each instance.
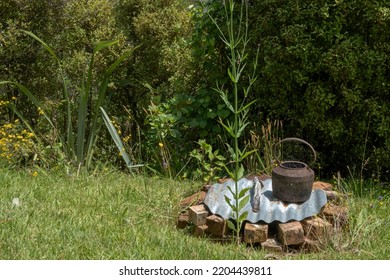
(112, 215)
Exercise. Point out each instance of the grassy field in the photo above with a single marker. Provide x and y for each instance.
(113, 216)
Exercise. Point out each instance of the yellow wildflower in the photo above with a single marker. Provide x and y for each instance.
(35, 174)
(161, 145)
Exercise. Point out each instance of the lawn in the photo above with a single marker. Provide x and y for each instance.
(112, 215)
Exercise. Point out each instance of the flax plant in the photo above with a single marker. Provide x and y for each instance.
(77, 149)
(236, 41)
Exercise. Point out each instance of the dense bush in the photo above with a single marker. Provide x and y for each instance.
(161, 72)
(324, 71)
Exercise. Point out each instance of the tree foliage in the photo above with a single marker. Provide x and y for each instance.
(323, 70)
(326, 73)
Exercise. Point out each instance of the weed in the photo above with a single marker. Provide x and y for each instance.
(210, 162)
(236, 41)
(16, 143)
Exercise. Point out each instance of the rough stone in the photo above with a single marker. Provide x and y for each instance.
(291, 233)
(255, 233)
(318, 185)
(272, 245)
(198, 214)
(316, 228)
(216, 225)
(195, 199)
(200, 230)
(337, 215)
(182, 221)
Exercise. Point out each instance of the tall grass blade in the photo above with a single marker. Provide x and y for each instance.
(101, 97)
(103, 45)
(31, 97)
(83, 109)
(118, 142)
(68, 143)
(46, 46)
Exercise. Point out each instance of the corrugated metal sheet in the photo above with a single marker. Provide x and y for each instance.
(270, 208)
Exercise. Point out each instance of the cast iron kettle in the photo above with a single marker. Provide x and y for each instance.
(292, 181)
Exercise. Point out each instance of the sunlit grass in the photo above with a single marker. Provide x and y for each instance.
(112, 215)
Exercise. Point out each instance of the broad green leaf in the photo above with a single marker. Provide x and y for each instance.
(231, 152)
(220, 158)
(197, 155)
(242, 217)
(227, 200)
(210, 156)
(81, 122)
(243, 202)
(243, 192)
(231, 225)
(230, 189)
(241, 172)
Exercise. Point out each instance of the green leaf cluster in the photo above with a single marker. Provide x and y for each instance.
(210, 162)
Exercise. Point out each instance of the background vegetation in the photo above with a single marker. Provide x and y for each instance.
(322, 74)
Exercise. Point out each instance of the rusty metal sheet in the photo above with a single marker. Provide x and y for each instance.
(264, 207)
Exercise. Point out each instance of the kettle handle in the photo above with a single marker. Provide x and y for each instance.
(297, 140)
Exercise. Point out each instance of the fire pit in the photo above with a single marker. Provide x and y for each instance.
(271, 224)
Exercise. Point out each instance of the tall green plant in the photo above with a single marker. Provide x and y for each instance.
(236, 41)
(81, 148)
(117, 140)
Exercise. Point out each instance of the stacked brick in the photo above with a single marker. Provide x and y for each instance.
(309, 234)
